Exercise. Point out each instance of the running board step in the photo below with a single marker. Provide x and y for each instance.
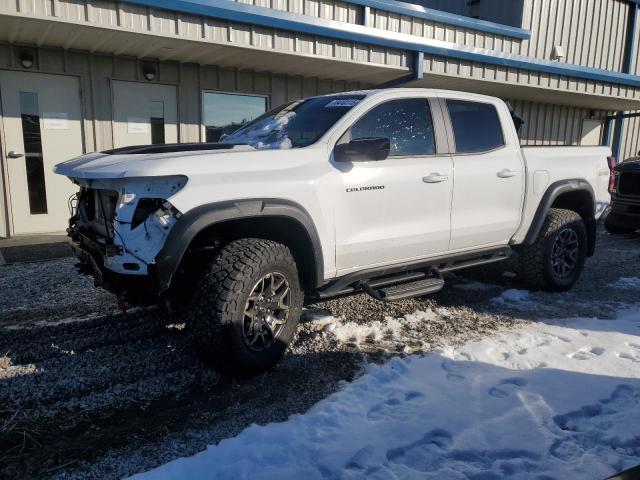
(405, 290)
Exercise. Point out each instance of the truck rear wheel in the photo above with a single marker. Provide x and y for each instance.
(555, 260)
(246, 307)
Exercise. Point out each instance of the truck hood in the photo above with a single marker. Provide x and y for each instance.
(632, 165)
(121, 163)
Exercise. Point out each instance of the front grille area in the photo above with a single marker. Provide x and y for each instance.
(629, 183)
(96, 210)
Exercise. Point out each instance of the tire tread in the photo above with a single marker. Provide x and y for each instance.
(531, 263)
(220, 289)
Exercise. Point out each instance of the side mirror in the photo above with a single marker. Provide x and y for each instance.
(363, 150)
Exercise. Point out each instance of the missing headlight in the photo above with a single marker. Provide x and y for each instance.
(145, 207)
(162, 209)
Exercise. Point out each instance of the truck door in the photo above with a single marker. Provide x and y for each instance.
(395, 209)
(489, 175)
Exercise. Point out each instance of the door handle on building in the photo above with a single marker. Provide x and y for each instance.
(506, 173)
(435, 178)
(14, 154)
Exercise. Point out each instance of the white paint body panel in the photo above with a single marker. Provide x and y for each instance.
(407, 220)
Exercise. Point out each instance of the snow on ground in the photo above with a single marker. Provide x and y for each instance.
(388, 333)
(627, 283)
(514, 296)
(554, 399)
(473, 286)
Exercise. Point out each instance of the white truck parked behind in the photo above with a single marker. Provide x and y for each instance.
(379, 191)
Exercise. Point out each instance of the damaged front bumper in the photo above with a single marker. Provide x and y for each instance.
(138, 289)
(118, 228)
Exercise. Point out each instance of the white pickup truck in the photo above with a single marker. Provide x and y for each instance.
(380, 191)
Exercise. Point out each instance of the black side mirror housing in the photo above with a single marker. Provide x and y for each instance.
(363, 150)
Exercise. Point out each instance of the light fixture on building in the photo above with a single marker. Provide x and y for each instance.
(149, 71)
(26, 59)
(557, 53)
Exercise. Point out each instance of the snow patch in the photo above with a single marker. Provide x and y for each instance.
(473, 286)
(555, 399)
(519, 299)
(390, 333)
(627, 283)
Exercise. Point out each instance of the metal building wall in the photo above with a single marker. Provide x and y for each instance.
(329, 9)
(124, 16)
(394, 22)
(457, 73)
(592, 32)
(630, 138)
(551, 124)
(96, 72)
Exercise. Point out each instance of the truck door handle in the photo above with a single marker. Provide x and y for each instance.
(13, 154)
(506, 173)
(435, 178)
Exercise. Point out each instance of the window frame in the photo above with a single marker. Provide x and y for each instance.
(453, 146)
(437, 120)
(203, 127)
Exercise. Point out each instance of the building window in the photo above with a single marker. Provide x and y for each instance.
(156, 118)
(476, 126)
(31, 136)
(224, 113)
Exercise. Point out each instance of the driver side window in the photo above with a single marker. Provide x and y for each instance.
(406, 123)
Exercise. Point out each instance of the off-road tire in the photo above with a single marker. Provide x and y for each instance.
(615, 225)
(216, 316)
(535, 267)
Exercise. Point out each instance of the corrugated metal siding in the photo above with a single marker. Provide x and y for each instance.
(136, 18)
(635, 61)
(96, 72)
(630, 138)
(592, 32)
(549, 124)
(449, 33)
(493, 73)
(328, 9)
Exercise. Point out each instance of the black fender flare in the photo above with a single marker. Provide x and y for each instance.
(197, 219)
(550, 195)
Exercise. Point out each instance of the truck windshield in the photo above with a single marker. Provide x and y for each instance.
(294, 125)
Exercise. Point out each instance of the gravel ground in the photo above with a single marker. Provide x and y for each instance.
(88, 393)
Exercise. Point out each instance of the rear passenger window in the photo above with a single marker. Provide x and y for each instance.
(406, 123)
(476, 126)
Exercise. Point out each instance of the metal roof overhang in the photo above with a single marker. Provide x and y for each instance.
(53, 32)
(522, 92)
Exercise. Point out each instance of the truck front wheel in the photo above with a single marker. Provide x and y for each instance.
(246, 307)
(555, 260)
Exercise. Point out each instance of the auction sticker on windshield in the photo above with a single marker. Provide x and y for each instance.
(347, 102)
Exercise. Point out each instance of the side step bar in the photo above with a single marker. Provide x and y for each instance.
(377, 278)
(409, 289)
